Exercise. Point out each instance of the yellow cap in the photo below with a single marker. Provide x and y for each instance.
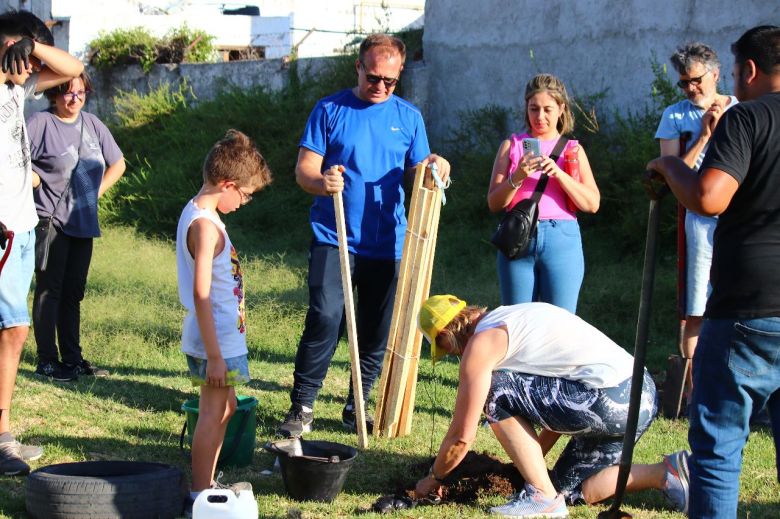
(435, 314)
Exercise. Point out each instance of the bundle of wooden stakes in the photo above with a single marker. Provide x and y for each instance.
(395, 402)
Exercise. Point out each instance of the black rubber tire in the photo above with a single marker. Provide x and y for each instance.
(105, 489)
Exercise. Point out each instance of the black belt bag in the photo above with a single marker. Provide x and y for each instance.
(517, 227)
(44, 235)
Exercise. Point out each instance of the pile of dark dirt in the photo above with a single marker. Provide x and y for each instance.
(477, 475)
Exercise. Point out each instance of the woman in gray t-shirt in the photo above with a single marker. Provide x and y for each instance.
(77, 160)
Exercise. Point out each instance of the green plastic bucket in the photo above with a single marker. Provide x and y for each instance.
(238, 448)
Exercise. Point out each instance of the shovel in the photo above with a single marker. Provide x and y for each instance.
(656, 193)
(349, 308)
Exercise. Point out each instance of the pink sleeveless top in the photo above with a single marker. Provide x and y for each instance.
(553, 204)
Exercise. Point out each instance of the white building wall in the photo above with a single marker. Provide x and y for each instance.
(89, 17)
(325, 28)
(317, 28)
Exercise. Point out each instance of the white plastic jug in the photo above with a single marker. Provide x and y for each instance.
(216, 503)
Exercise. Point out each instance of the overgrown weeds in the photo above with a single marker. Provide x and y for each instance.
(139, 46)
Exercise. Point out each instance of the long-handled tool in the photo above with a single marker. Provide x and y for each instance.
(678, 366)
(640, 344)
(349, 308)
(6, 241)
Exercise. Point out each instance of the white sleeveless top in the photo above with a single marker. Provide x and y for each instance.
(226, 295)
(549, 341)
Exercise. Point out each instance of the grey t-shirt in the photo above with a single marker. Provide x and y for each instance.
(56, 155)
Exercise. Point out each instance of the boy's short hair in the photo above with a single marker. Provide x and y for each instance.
(10, 26)
(34, 27)
(235, 158)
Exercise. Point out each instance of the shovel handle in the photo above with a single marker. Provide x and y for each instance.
(654, 184)
(349, 308)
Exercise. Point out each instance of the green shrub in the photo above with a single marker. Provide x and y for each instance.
(185, 45)
(139, 46)
(123, 47)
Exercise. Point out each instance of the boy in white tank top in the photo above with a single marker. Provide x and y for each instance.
(211, 289)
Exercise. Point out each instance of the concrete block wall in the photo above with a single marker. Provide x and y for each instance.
(205, 79)
(478, 53)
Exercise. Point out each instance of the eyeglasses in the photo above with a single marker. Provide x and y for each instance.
(70, 96)
(389, 82)
(695, 81)
(245, 197)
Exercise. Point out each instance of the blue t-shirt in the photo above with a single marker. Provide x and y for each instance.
(375, 143)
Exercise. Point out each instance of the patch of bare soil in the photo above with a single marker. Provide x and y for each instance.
(477, 475)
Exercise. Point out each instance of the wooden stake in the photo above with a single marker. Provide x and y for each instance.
(349, 308)
(395, 404)
(399, 305)
(404, 347)
(407, 409)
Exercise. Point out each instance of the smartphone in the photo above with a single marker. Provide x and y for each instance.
(532, 145)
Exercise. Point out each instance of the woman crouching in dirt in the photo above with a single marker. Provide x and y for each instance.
(534, 364)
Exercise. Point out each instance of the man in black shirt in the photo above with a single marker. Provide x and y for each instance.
(736, 367)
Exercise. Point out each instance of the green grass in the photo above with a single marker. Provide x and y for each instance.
(131, 325)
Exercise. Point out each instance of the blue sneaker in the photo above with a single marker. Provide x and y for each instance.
(676, 480)
(530, 502)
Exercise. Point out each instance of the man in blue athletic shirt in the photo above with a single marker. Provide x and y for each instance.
(360, 141)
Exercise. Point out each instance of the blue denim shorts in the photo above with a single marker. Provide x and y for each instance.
(699, 231)
(237, 370)
(15, 281)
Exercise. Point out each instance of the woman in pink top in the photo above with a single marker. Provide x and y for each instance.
(553, 268)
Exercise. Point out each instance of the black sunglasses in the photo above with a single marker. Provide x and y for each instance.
(695, 81)
(389, 82)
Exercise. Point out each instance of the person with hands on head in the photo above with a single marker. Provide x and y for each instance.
(736, 368)
(211, 288)
(685, 130)
(535, 365)
(17, 209)
(554, 266)
(364, 142)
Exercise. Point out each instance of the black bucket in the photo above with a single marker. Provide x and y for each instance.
(313, 470)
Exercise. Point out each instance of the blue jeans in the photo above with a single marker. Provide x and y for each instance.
(736, 372)
(375, 282)
(15, 281)
(551, 271)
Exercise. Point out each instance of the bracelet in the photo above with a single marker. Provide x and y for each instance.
(509, 177)
(432, 475)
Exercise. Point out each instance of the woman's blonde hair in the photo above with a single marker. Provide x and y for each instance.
(555, 88)
(454, 337)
